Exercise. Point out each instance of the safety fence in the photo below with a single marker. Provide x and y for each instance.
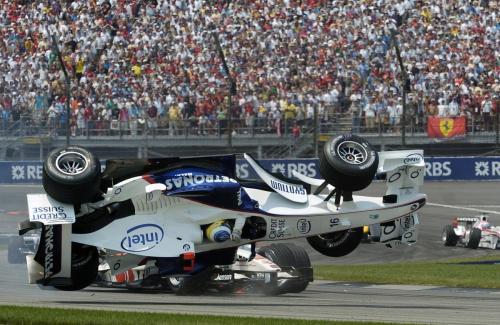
(251, 125)
(437, 169)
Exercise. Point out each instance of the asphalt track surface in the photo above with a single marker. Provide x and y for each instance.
(322, 300)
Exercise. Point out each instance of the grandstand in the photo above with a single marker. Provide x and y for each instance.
(146, 77)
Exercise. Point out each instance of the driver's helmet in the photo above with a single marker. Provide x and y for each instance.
(484, 223)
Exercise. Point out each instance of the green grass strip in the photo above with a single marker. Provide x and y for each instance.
(440, 273)
(55, 316)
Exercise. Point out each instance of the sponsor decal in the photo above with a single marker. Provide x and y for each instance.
(413, 158)
(258, 275)
(49, 251)
(224, 277)
(191, 180)
(334, 222)
(238, 198)
(288, 188)
(406, 222)
(48, 213)
(394, 177)
(303, 226)
(142, 238)
(186, 247)
(409, 234)
(277, 228)
(415, 174)
(389, 227)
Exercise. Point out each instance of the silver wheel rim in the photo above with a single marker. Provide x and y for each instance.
(71, 163)
(175, 281)
(352, 153)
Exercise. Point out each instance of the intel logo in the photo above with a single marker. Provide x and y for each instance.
(414, 158)
(142, 238)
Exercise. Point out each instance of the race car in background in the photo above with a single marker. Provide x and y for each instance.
(189, 214)
(20, 246)
(275, 269)
(472, 232)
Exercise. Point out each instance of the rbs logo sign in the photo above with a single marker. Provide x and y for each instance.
(438, 168)
(463, 168)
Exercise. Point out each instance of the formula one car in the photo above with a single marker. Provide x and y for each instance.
(20, 246)
(275, 269)
(472, 232)
(189, 214)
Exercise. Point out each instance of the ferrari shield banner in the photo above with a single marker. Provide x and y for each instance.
(436, 168)
(446, 127)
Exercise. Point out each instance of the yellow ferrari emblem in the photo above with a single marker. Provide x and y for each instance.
(446, 126)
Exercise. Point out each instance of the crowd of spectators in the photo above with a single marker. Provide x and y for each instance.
(153, 64)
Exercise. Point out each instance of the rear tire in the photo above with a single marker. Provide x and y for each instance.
(289, 256)
(474, 238)
(14, 256)
(71, 175)
(338, 243)
(84, 267)
(449, 236)
(348, 162)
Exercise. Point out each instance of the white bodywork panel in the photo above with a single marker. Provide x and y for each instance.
(293, 192)
(42, 208)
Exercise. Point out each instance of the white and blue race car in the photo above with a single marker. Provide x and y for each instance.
(191, 213)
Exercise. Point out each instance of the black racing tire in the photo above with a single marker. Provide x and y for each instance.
(84, 267)
(71, 175)
(449, 236)
(14, 256)
(348, 162)
(289, 256)
(474, 238)
(338, 243)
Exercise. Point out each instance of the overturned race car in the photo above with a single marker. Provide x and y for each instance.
(188, 214)
(472, 232)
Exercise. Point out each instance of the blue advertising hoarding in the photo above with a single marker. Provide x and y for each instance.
(437, 169)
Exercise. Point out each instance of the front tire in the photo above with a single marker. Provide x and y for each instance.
(449, 236)
(293, 257)
(71, 175)
(84, 267)
(474, 238)
(348, 162)
(338, 243)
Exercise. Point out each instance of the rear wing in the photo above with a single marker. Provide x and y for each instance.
(468, 219)
(404, 170)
